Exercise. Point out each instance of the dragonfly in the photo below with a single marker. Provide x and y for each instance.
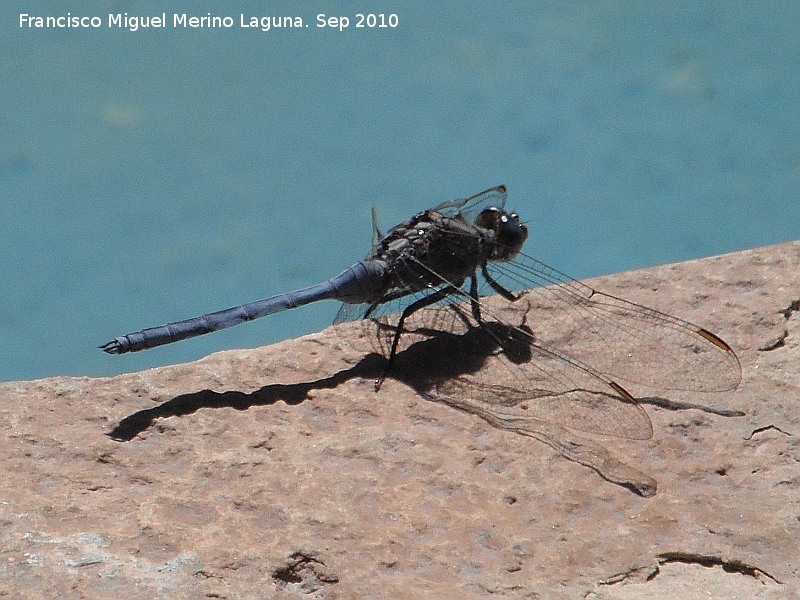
(458, 270)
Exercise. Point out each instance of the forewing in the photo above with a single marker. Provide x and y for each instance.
(621, 339)
(500, 370)
(471, 206)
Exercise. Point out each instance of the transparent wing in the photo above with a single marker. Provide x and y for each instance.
(470, 207)
(499, 370)
(622, 339)
(618, 338)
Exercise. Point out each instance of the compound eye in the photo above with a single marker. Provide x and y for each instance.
(509, 238)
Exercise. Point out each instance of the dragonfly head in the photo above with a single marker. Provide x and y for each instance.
(509, 233)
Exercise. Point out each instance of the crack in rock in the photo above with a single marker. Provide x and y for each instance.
(780, 341)
(791, 309)
(766, 428)
(305, 573)
(635, 575)
(705, 560)
(649, 573)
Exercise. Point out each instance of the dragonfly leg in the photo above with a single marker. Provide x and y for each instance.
(409, 310)
(473, 298)
(511, 297)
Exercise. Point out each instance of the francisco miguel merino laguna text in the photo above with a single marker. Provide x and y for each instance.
(133, 23)
(156, 21)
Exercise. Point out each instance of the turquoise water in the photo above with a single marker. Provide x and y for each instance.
(154, 175)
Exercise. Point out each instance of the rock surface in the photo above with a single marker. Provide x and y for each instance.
(278, 472)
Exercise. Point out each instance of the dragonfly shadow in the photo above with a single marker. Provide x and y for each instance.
(128, 428)
(675, 405)
(446, 356)
(421, 366)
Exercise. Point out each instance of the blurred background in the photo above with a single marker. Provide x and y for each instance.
(155, 175)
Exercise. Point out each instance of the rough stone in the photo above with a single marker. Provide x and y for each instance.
(278, 472)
